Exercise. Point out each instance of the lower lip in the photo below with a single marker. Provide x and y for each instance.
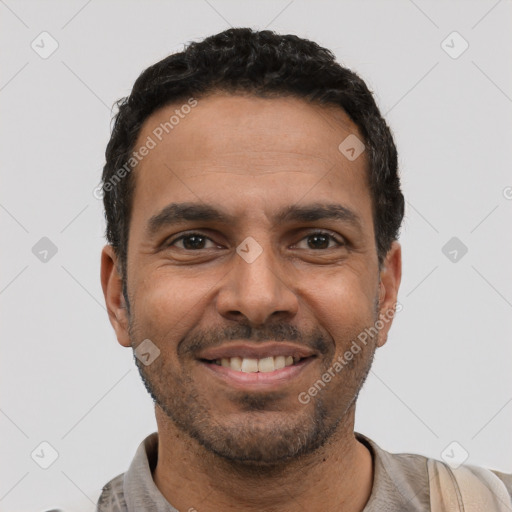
(258, 380)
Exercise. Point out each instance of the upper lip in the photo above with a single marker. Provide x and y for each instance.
(255, 351)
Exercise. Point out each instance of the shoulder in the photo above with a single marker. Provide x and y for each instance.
(472, 484)
(506, 478)
(112, 496)
(416, 482)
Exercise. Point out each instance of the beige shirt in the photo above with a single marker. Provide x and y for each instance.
(400, 483)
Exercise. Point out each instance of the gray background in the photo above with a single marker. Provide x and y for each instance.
(444, 374)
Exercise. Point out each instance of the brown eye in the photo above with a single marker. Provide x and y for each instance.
(321, 240)
(191, 241)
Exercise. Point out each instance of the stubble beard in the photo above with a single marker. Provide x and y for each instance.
(260, 437)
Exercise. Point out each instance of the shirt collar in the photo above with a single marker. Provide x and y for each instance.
(400, 481)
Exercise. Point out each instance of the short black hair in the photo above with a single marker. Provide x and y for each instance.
(263, 64)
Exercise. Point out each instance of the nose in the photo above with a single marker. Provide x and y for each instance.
(257, 290)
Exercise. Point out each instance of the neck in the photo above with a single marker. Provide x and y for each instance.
(192, 478)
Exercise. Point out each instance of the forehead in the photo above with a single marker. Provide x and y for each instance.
(245, 151)
(222, 124)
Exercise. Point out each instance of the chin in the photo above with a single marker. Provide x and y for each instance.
(263, 439)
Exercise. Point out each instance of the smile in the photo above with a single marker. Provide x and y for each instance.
(257, 366)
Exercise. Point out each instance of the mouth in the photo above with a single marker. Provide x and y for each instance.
(260, 367)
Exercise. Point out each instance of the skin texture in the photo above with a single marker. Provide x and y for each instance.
(222, 447)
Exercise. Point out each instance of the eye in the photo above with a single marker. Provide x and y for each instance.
(191, 241)
(196, 241)
(321, 239)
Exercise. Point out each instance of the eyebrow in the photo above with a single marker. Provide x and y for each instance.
(177, 213)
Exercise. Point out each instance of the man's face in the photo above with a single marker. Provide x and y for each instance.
(223, 297)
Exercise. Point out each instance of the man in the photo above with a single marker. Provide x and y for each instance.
(253, 206)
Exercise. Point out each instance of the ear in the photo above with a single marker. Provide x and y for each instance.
(112, 285)
(390, 277)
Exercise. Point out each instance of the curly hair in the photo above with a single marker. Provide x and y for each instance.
(263, 64)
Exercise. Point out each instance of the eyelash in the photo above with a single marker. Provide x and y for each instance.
(191, 234)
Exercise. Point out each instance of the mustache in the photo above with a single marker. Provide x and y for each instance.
(210, 338)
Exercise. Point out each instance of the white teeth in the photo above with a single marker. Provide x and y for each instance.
(279, 362)
(251, 365)
(266, 364)
(236, 363)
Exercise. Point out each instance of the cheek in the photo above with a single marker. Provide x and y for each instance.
(344, 305)
(162, 306)
(169, 305)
